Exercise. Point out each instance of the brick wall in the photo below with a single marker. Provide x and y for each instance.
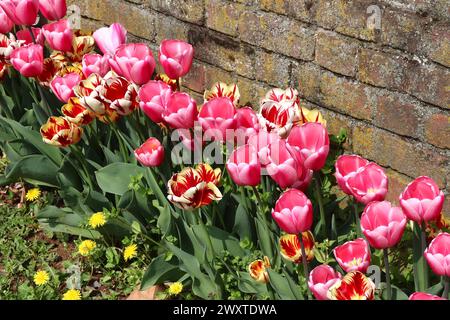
(389, 87)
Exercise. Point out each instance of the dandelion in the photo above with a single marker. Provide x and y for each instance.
(130, 252)
(33, 194)
(86, 247)
(97, 220)
(72, 294)
(41, 277)
(175, 288)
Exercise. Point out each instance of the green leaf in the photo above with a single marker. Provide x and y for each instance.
(116, 177)
(281, 286)
(35, 169)
(160, 271)
(248, 285)
(397, 293)
(420, 264)
(243, 225)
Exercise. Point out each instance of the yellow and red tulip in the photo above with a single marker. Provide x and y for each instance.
(258, 270)
(77, 113)
(307, 115)
(354, 286)
(60, 132)
(290, 248)
(221, 89)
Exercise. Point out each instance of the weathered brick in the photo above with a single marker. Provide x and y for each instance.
(362, 140)
(277, 6)
(196, 78)
(335, 121)
(251, 91)
(187, 10)
(300, 9)
(307, 80)
(437, 43)
(214, 75)
(349, 97)
(336, 53)
(277, 33)
(397, 113)
(397, 183)
(171, 28)
(223, 16)
(430, 83)
(382, 69)
(273, 69)
(437, 130)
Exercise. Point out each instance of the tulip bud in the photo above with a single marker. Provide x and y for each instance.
(217, 116)
(438, 255)
(293, 212)
(151, 153)
(154, 97)
(62, 87)
(109, 39)
(244, 166)
(346, 167)
(21, 12)
(95, 63)
(353, 255)
(28, 60)
(6, 24)
(181, 111)
(176, 57)
(53, 9)
(368, 184)
(321, 279)
(59, 35)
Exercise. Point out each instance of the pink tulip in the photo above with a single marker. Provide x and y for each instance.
(21, 12)
(95, 63)
(154, 97)
(321, 278)
(134, 62)
(176, 58)
(244, 166)
(62, 87)
(346, 167)
(217, 117)
(424, 296)
(369, 184)
(25, 36)
(247, 124)
(382, 224)
(312, 143)
(59, 35)
(261, 141)
(438, 254)
(422, 201)
(285, 168)
(181, 111)
(353, 255)
(53, 9)
(28, 60)
(110, 39)
(293, 212)
(6, 24)
(151, 153)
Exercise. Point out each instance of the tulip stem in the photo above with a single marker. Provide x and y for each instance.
(305, 264)
(76, 151)
(424, 247)
(388, 274)
(357, 220)
(446, 287)
(205, 231)
(317, 192)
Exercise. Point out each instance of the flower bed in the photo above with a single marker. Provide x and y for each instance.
(237, 201)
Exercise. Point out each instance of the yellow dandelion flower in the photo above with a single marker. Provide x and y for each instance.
(72, 294)
(33, 194)
(41, 277)
(175, 288)
(130, 252)
(86, 247)
(97, 220)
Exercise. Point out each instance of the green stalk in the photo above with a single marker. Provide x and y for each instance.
(446, 287)
(357, 219)
(318, 195)
(210, 248)
(424, 247)
(388, 274)
(305, 265)
(76, 151)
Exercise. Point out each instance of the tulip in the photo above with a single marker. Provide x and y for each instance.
(315, 115)
(422, 201)
(60, 132)
(221, 89)
(354, 286)
(353, 255)
(53, 9)
(181, 111)
(154, 97)
(285, 168)
(279, 95)
(258, 270)
(438, 255)
(176, 57)
(59, 35)
(293, 212)
(244, 166)
(21, 12)
(424, 296)
(28, 60)
(261, 142)
(62, 87)
(151, 153)
(109, 39)
(81, 46)
(382, 224)
(95, 63)
(121, 95)
(217, 116)
(51, 70)
(321, 279)
(346, 167)
(6, 24)
(134, 61)
(7, 45)
(369, 184)
(76, 113)
(193, 188)
(311, 141)
(25, 36)
(247, 123)
(3, 70)
(290, 247)
(88, 93)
